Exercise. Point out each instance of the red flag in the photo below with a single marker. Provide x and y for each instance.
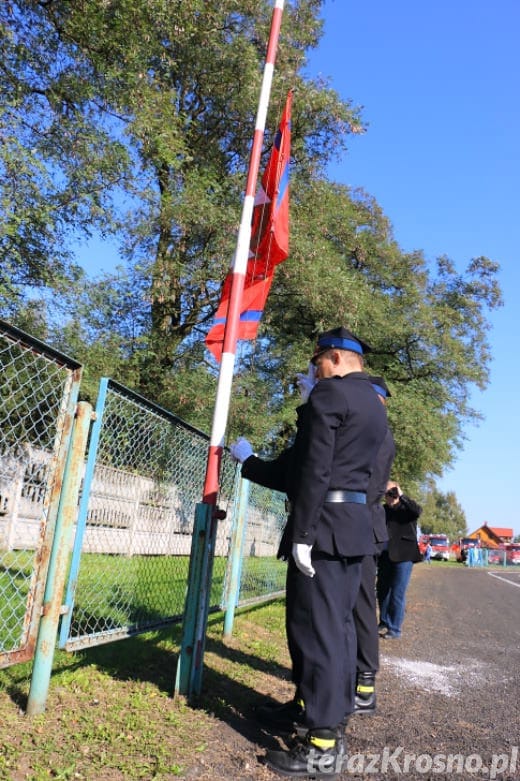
(269, 243)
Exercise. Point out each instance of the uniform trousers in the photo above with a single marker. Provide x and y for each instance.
(365, 618)
(322, 638)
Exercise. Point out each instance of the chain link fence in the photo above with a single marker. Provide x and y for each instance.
(144, 475)
(508, 556)
(38, 392)
(261, 573)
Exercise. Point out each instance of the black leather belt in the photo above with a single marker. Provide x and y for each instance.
(338, 497)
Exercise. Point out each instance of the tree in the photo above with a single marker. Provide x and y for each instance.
(151, 104)
(58, 165)
(156, 99)
(442, 514)
(135, 117)
(344, 267)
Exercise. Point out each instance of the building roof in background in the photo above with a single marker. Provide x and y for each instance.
(496, 534)
(501, 531)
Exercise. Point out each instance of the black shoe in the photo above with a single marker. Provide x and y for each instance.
(287, 717)
(301, 730)
(390, 636)
(365, 705)
(316, 756)
(365, 700)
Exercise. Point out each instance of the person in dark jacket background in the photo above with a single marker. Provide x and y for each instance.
(396, 562)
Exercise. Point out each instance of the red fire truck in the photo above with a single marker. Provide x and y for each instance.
(513, 553)
(506, 553)
(460, 548)
(440, 545)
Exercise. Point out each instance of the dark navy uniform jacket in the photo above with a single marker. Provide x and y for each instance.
(338, 434)
(377, 487)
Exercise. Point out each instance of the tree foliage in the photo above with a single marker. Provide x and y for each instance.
(134, 118)
(58, 164)
(442, 514)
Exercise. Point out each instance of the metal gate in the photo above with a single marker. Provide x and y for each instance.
(38, 390)
(144, 475)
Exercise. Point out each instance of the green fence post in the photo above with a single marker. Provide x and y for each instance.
(189, 665)
(58, 561)
(235, 559)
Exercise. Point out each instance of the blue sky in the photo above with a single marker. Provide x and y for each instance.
(440, 87)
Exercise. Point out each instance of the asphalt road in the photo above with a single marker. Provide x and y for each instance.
(448, 690)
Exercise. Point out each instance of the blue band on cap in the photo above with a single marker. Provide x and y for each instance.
(381, 391)
(342, 344)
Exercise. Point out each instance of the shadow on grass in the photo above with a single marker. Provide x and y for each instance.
(234, 703)
(153, 658)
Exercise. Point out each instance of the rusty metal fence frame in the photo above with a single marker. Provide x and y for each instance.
(39, 389)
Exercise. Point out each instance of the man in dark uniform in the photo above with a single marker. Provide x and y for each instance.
(329, 529)
(395, 564)
(365, 610)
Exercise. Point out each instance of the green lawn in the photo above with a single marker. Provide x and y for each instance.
(110, 713)
(137, 592)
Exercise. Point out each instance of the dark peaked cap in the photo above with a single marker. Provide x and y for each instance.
(340, 339)
(380, 386)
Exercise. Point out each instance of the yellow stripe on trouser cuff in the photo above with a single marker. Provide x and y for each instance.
(365, 689)
(322, 742)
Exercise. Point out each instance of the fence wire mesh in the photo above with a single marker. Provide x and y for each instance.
(148, 476)
(35, 385)
(134, 540)
(262, 574)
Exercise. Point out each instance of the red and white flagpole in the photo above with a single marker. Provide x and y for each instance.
(239, 268)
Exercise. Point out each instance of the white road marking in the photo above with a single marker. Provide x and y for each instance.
(505, 580)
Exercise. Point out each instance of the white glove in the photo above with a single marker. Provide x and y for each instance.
(302, 558)
(306, 382)
(241, 449)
